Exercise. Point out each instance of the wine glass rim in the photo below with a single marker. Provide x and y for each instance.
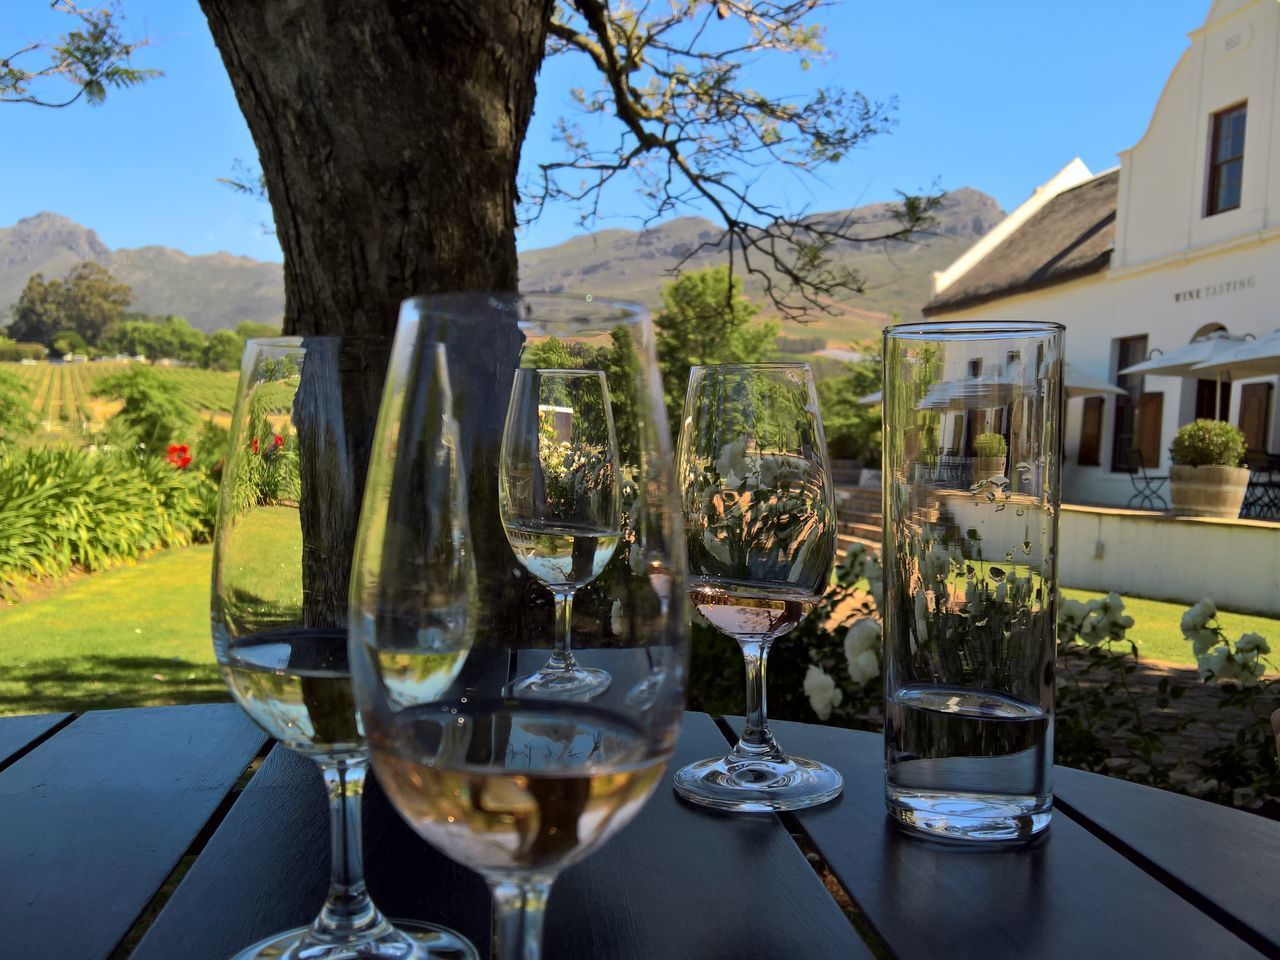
(766, 365)
(972, 329)
(592, 309)
(562, 371)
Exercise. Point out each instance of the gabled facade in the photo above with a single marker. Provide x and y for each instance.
(1183, 238)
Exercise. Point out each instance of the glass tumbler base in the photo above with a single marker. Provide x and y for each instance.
(580, 683)
(407, 940)
(758, 785)
(970, 816)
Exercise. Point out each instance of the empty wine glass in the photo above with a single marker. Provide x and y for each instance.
(512, 779)
(760, 524)
(558, 498)
(289, 490)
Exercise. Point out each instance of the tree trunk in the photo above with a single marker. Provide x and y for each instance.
(389, 134)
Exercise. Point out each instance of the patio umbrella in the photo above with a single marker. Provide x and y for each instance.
(1076, 382)
(1253, 358)
(1184, 361)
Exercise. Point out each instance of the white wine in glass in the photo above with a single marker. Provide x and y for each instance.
(512, 776)
(280, 627)
(558, 497)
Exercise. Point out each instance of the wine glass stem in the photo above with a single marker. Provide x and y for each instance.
(756, 742)
(562, 656)
(348, 910)
(517, 918)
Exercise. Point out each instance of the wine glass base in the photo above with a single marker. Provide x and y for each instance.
(758, 785)
(407, 940)
(579, 683)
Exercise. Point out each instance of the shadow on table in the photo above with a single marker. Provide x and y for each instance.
(103, 683)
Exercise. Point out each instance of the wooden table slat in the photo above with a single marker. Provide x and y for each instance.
(96, 817)
(685, 882)
(658, 889)
(1068, 895)
(266, 870)
(1189, 840)
(16, 733)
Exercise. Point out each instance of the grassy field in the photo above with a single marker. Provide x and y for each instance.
(129, 637)
(139, 635)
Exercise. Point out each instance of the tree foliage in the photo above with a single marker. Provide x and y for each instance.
(93, 58)
(88, 301)
(222, 351)
(693, 131)
(706, 319)
(853, 427)
(152, 411)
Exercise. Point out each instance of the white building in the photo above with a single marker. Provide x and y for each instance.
(1183, 238)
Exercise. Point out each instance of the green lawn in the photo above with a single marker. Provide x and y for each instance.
(139, 635)
(1157, 632)
(128, 637)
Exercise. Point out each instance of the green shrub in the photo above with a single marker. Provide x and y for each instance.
(62, 507)
(990, 445)
(1206, 443)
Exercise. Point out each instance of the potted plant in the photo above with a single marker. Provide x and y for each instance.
(1207, 479)
(990, 453)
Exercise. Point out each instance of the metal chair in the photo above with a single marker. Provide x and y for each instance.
(1262, 496)
(1146, 487)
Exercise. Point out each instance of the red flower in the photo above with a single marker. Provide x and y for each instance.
(178, 455)
(279, 441)
(253, 445)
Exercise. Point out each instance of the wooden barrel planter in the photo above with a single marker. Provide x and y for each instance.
(987, 468)
(1210, 491)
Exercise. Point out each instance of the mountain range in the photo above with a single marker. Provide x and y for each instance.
(219, 290)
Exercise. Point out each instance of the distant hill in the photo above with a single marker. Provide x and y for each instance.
(634, 264)
(214, 291)
(220, 290)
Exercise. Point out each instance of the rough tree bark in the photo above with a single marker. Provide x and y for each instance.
(389, 133)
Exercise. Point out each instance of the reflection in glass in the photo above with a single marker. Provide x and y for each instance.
(558, 496)
(760, 524)
(972, 438)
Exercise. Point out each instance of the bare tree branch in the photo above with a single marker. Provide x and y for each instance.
(693, 131)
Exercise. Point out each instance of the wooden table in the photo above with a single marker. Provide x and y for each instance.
(154, 833)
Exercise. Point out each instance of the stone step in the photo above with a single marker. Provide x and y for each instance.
(869, 530)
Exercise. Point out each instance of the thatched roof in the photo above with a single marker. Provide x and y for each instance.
(1070, 236)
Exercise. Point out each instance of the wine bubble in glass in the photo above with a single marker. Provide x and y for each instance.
(516, 781)
(289, 487)
(558, 498)
(759, 520)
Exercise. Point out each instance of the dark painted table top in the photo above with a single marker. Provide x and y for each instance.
(155, 833)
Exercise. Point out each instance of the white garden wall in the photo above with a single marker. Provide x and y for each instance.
(1236, 563)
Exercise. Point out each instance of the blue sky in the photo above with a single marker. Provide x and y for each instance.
(996, 94)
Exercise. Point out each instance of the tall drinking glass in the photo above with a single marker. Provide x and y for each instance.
(290, 487)
(516, 779)
(972, 442)
(760, 522)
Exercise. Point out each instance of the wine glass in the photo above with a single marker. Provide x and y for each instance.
(290, 488)
(558, 499)
(516, 780)
(760, 524)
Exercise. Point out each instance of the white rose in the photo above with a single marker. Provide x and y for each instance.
(865, 666)
(1253, 641)
(822, 692)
